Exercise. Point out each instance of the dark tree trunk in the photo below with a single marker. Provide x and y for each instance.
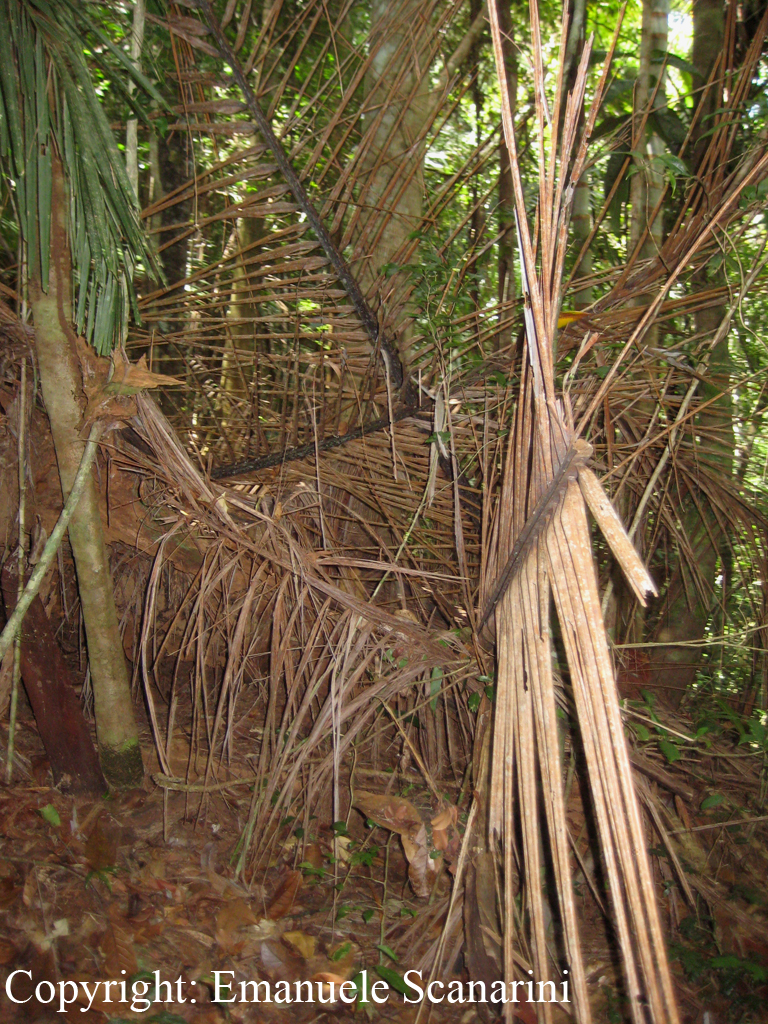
(50, 688)
(175, 165)
(175, 170)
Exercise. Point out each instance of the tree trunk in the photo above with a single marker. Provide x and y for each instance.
(174, 165)
(581, 225)
(61, 382)
(581, 214)
(506, 210)
(132, 128)
(647, 184)
(398, 102)
(51, 691)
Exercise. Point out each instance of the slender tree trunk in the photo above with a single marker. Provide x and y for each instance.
(241, 349)
(581, 215)
(581, 225)
(398, 99)
(626, 615)
(62, 384)
(477, 220)
(647, 184)
(506, 210)
(174, 160)
(132, 128)
(400, 106)
(174, 164)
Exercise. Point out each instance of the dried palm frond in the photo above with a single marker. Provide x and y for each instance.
(541, 479)
(349, 566)
(349, 539)
(663, 417)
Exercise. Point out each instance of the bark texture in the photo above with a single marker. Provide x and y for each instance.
(61, 382)
(50, 688)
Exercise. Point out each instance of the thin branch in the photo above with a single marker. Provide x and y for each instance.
(52, 544)
(306, 451)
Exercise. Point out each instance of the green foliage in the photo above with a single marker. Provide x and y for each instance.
(393, 979)
(48, 104)
(51, 815)
(738, 981)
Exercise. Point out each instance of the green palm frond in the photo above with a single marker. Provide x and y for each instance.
(49, 108)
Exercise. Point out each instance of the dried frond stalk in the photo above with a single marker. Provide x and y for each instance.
(614, 532)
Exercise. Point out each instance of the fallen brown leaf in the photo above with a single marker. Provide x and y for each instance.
(233, 917)
(285, 897)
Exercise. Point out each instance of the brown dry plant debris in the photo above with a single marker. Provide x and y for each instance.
(310, 625)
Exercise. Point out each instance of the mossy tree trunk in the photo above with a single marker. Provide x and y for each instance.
(61, 381)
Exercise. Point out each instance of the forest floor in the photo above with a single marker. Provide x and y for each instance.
(140, 887)
(124, 887)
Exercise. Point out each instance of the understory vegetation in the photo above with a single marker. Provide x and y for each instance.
(420, 583)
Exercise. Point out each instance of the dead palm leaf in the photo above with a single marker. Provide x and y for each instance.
(525, 747)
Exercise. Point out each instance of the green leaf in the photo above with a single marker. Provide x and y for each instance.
(388, 952)
(310, 869)
(673, 61)
(733, 963)
(757, 733)
(42, 61)
(357, 982)
(672, 129)
(135, 73)
(669, 750)
(642, 733)
(713, 800)
(440, 435)
(10, 98)
(394, 980)
(341, 952)
(367, 914)
(50, 814)
(674, 163)
(435, 686)
(619, 87)
(473, 701)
